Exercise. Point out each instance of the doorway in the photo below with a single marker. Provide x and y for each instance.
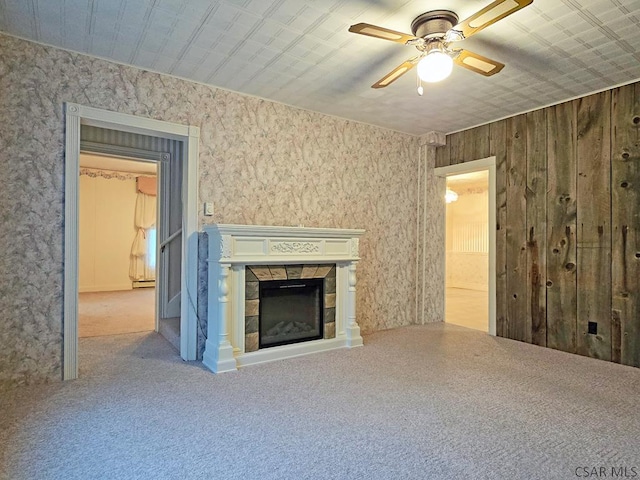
(117, 238)
(77, 116)
(469, 249)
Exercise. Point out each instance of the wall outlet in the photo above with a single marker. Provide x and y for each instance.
(208, 209)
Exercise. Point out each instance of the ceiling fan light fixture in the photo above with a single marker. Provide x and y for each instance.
(435, 66)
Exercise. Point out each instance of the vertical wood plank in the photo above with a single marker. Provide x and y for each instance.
(442, 155)
(518, 325)
(536, 205)
(476, 143)
(625, 198)
(594, 225)
(498, 148)
(456, 148)
(561, 227)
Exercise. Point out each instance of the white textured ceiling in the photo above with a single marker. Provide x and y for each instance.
(300, 52)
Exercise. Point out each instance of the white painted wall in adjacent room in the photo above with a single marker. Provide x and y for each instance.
(467, 241)
(106, 232)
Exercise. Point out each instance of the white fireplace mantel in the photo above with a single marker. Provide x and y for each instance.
(233, 247)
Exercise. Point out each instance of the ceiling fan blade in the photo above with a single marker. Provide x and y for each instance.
(396, 73)
(489, 15)
(380, 32)
(477, 63)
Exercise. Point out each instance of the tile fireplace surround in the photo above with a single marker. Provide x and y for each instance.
(233, 247)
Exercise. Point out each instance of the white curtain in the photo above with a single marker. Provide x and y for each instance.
(142, 267)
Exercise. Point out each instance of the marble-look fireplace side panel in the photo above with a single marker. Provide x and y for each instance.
(254, 274)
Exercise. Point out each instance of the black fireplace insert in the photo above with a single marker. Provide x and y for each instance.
(291, 311)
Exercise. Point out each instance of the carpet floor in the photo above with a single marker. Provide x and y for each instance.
(114, 313)
(423, 402)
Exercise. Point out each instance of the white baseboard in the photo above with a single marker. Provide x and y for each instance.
(104, 288)
(468, 286)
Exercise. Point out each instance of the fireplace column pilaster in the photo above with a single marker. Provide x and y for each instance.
(221, 359)
(353, 330)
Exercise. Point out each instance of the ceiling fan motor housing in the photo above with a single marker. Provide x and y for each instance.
(433, 24)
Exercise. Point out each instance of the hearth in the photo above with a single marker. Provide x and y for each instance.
(291, 311)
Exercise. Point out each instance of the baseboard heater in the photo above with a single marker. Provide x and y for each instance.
(144, 283)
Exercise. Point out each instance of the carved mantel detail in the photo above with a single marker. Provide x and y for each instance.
(225, 246)
(294, 247)
(354, 247)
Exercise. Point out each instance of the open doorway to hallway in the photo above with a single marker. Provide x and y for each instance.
(117, 245)
(467, 250)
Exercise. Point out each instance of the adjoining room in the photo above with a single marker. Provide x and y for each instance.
(117, 245)
(467, 250)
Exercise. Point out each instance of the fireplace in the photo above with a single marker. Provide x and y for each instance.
(288, 303)
(290, 311)
(279, 292)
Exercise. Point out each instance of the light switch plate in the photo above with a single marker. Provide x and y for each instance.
(208, 209)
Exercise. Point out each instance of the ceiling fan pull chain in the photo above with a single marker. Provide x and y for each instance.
(420, 89)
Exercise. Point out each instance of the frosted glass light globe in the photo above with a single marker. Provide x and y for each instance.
(450, 196)
(435, 66)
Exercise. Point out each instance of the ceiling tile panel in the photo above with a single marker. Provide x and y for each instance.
(329, 27)
(300, 52)
(261, 8)
(172, 7)
(287, 11)
(307, 20)
(550, 10)
(276, 35)
(351, 10)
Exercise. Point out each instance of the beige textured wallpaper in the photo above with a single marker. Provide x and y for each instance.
(260, 163)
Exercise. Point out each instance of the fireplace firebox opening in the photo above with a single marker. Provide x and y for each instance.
(291, 311)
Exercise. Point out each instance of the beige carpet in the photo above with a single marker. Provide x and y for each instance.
(114, 313)
(467, 308)
(427, 402)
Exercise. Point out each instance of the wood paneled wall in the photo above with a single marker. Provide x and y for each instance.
(568, 222)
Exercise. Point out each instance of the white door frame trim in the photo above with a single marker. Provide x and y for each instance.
(489, 164)
(77, 115)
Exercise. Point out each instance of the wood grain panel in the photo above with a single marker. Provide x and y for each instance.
(456, 148)
(536, 200)
(594, 225)
(498, 148)
(567, 222)
(518, 324)
(561, 227)
(476, 143)
(442, 155)
(625, 198)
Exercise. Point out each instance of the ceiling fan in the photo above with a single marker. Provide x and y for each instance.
(433, 34)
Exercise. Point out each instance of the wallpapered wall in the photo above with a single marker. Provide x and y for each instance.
(260, 163)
